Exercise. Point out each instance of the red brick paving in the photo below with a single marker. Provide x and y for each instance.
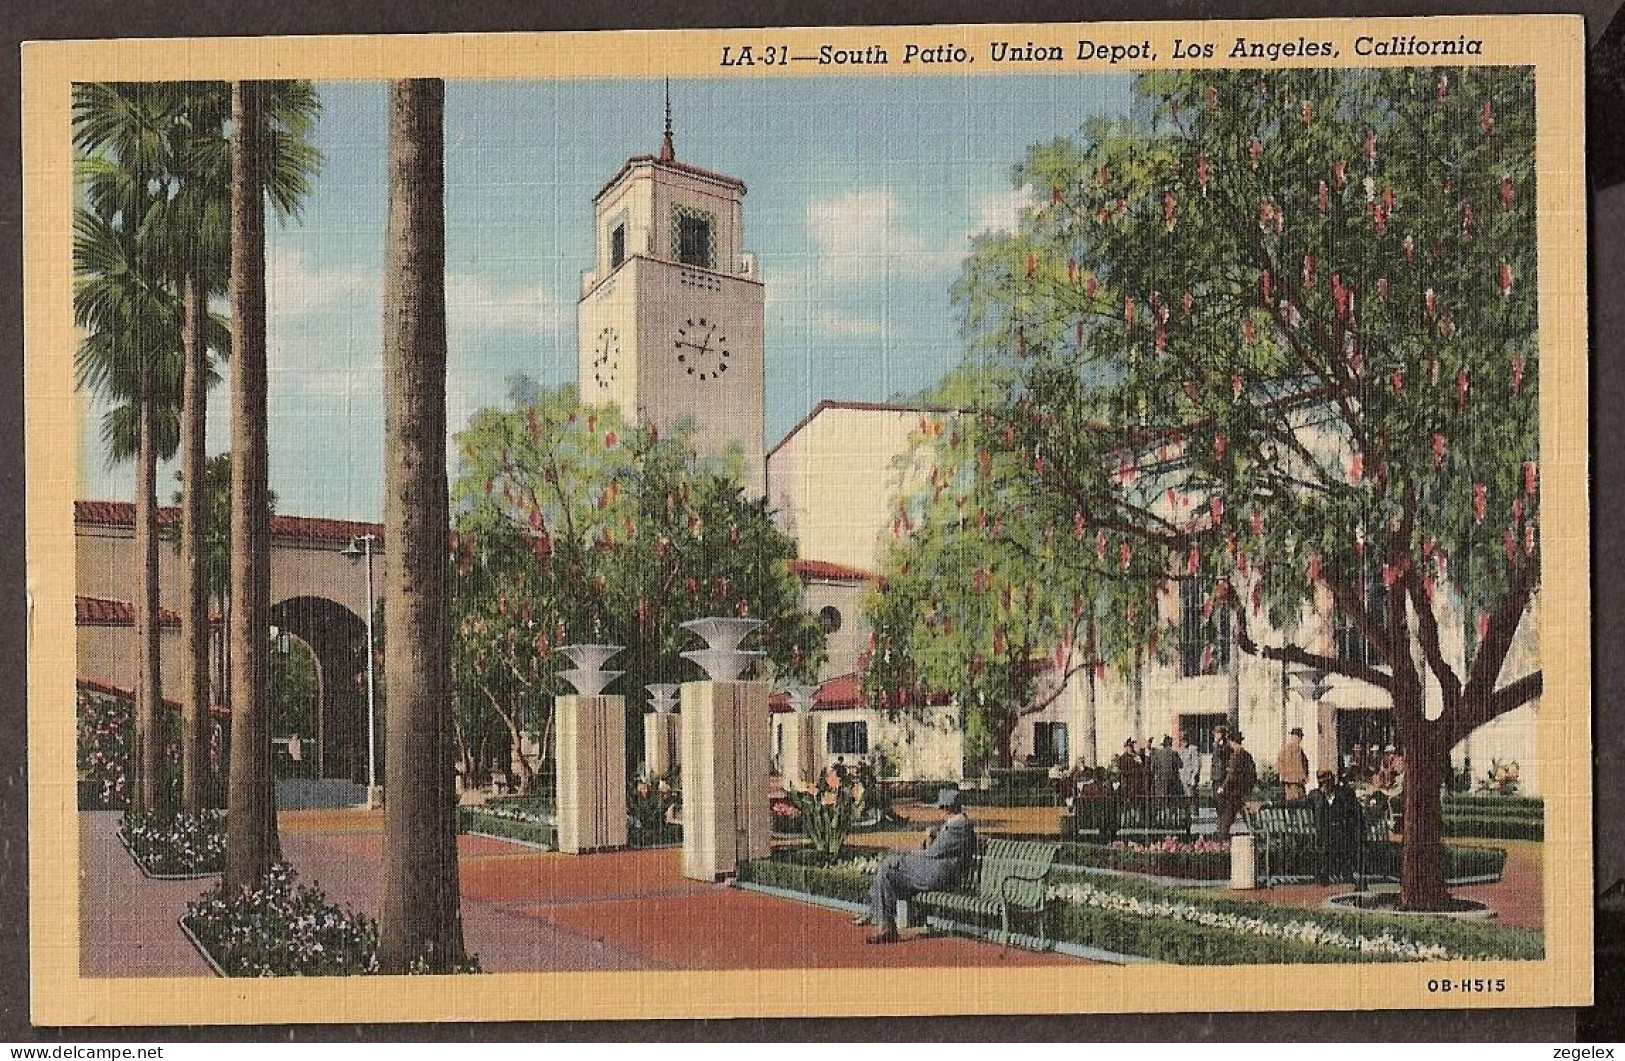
(531, 910)
(723, 928)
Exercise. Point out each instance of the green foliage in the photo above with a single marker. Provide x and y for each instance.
(176, 845)
(1494, 827)
(1185, 943)
(572, 526)
(828, 810)
(650, 801)
(282, 929)
(489, 821)
(1250, 336)
(295, 702)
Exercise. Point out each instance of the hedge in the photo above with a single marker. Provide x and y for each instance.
(1195, 944)
(1494, 828)
(471, 820)
(1454, 801)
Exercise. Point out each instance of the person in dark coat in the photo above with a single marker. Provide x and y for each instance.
(1240, 776)
(1131, 772)
(1165, 770)
(943, 864)
(1338, 827)
(1221, 758)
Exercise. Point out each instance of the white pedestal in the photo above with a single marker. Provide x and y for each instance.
(725, 750)
(798, 759)
(591, 753)
(1243, 867)
(660, 740)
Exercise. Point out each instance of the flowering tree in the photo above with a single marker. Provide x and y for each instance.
(1277, 332)
(574, 526)
(990, 596)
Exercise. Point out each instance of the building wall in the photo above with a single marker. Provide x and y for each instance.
(842, 646)
(833, 483)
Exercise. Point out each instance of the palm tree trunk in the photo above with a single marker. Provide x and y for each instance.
(420, 921)
(251, 837)
(148, 794)
(194, 582)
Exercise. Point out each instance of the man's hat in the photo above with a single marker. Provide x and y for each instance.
(1325, 775)
(1389, 748)
(947, 797)
(1129, 743)
(1167, 741)
(1296, 731)
(1237, 737)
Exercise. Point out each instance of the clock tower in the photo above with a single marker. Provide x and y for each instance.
(671, 318)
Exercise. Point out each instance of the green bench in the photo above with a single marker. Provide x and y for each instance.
(1286, 836)
(1140, 817)
(1006, 876)
(1287, 839)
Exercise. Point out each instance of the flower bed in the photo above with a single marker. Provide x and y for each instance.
(1199, 859)
(522, 823)
(176, 846)
(283, 929)
(1188, 927)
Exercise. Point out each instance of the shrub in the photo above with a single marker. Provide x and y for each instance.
(1489, 827)
(526, 827)
(1243, 930)
(650, 803)
(828, 809)
(176, 845)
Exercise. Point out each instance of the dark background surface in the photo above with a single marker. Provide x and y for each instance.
(20, 20)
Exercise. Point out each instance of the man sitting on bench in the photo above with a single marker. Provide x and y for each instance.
(948, 853)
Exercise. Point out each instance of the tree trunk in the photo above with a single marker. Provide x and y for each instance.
(516, 756)
(420, 922)
(194, 582)
(147, 794)
(1422, 871)
(251, 836)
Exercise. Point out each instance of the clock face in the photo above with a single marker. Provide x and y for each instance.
(606, 362)
(701, 350)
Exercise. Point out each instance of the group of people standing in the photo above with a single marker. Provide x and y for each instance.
(1148, 769)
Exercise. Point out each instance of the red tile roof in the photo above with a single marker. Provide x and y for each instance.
(299, 528)
(95, 611)
(107, 689)
(825, 569)
(842, 693)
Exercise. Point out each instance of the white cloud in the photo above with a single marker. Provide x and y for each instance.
(297, 289)
(865, 227)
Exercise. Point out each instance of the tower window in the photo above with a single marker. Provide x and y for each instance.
(617, 246)
(693, 237)
(828, 615)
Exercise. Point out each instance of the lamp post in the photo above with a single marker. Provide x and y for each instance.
(361, 545)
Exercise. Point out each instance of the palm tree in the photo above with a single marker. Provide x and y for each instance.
(128, 355)
(271, 154)
(420, 923)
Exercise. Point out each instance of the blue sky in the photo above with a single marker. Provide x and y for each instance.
(863, 195)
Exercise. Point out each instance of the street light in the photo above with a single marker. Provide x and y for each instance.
(361, 545)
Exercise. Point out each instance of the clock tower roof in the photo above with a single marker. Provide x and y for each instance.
(661, 163)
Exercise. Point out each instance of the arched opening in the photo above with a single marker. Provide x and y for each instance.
(338, 638)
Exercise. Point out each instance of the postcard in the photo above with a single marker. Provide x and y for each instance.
(914, 520)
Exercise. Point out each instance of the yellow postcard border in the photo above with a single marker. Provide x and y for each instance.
(1553, 45)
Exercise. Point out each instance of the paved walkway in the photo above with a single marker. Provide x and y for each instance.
(523, 910)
